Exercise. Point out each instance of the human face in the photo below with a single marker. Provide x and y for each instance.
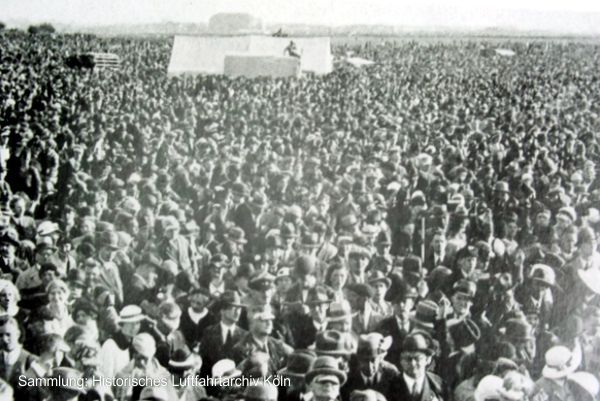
(7, 298)
(216, 273)
(198, 302)
(325, 389)
(439, 244)
(380, 290)
(44, 256)
(57, 296)
(568, 242)
(542, 220)
(131, 329)
(338, 278)
(261, 327)
(587, 248)
(402, 308)
(7, 251)
(9, 337)
(283, 284)
(468, 264)
(318, 312)
(231, 314)
(369, 365)
(461, 304)
(414, 364)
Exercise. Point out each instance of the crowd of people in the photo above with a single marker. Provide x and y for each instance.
(425, 228)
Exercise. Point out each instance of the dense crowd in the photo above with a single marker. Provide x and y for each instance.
(425, 228)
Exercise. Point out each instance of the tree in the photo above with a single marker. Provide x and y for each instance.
(2, 26)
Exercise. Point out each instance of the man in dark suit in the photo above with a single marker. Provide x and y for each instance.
(304, 327)
(219, 339)
(196, 317)
(415, 382)
(436, 254)
(259, 339)
(369, 370)
(248, 217)
(399, 325)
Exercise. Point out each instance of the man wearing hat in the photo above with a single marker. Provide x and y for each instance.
(325, 379)
(184, 365)
(536, 291)
(174, 246)
(305, 327)
(368, 368)
(30, 278)
(380, 284)
(249, 215)
(108, 245)
(415, 382)
(305, 271)
(462, 300)
(143, 364)
(218, 339)
(298, 364)
(358, 261)
(9, 263)
(466, 264)
(196, 316)
(167, 334)
(142, 286)
(259, 339)
(436, 254)
(398, 325)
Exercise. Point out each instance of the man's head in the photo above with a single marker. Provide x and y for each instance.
(438, 243)
(9, 333)
(231, 307)
(372, 349)
(416, 355)
(325, 379)
(466, 259)
(462, 298)
(261, 320)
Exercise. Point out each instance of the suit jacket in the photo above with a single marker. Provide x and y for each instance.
(383, 382)
(278, 352)
(390, 327)
(11, 373)
(212, 348)
(432, 389)
(193, 332)
(302, 330)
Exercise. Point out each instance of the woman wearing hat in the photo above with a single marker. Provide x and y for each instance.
(184, 365)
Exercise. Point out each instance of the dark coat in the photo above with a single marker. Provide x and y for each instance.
(432, 389)
(390, 327)
(193, 332)
(278, 352)
(212, 348)
(383, 382)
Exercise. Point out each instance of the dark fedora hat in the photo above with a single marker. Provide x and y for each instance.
(334, 343)
(412, 267)
(183, 359)
(327, 366)
(298, 363)
(230, 298)
(377, 276)
(518, 330)
(425, 314)
(236, 235)
(317, 296)
(418, 342)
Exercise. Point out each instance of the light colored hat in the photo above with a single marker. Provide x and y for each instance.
(559, 363)
(144, 344)
(587, 381)
(131, 314)
(488, 387)
(224, 369)
(47, 228)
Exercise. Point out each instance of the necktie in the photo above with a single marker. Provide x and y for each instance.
(229, 337)
(415, 389)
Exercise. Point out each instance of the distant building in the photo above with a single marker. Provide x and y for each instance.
(235, 23)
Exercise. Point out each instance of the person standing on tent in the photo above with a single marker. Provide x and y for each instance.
(291, 50)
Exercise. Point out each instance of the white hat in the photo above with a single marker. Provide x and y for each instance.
(47, 228)
(158, 393)
(224, 369)
(144, 344)
(488, 387)
(559, 363)
(587, 381)
(131, 314)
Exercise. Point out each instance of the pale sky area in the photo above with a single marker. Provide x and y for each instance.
(522, 14)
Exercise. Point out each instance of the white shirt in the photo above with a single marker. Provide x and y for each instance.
(410, 383)
(216, 290)
(224, 330)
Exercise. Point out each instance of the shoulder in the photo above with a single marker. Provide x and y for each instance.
(435, 381)
(389, 369)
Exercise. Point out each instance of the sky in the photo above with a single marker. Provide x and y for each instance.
(475, 13)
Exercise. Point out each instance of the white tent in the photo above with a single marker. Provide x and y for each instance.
(206, 54)
(252, 66)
